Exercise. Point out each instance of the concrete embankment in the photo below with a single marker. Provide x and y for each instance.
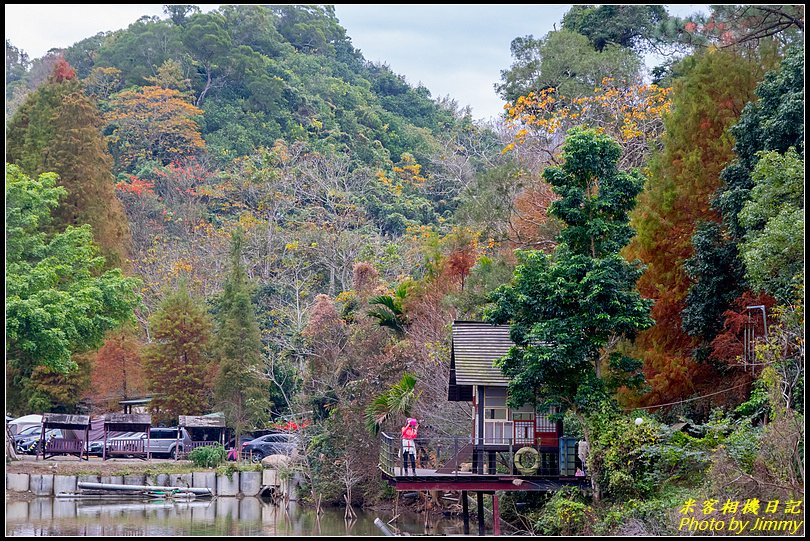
(238, 484)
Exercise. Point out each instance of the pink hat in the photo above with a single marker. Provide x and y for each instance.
(412, 422)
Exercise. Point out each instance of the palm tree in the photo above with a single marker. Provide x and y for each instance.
(396, 401)
(389, 312)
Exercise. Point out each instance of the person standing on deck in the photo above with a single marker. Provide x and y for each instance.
(409, 433)
(582, 453)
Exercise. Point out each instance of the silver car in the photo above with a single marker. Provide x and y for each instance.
(164, 441)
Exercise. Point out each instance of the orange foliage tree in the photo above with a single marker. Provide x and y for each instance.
(697, 146)
(117, 370)
(153, 123)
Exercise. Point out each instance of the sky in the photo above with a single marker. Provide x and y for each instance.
(455, 50)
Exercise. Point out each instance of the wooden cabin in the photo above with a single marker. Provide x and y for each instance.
(496, 427)
(486, 461)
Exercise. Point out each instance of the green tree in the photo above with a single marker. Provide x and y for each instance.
(206, 37)
(177, 362)
(17, 64)
(566, 310)
(773, 250)
(59, 392)
(178, 13)
(566, 61)
(59, 301)
(629, 26)
(397, 401)
(240, 390)
(139, 49)
(389, 310)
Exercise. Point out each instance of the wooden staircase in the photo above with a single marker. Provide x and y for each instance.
(464, 455)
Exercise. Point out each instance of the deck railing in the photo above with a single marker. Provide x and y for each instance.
(464, 456)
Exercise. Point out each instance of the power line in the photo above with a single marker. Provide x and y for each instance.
(689, 399)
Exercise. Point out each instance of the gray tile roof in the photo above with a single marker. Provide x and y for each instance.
(475, 346)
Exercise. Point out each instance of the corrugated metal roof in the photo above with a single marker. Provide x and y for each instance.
(475, 346)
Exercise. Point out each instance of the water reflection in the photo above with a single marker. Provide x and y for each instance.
(222, 516)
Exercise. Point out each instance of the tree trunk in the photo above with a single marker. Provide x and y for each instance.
(11, 452)
(207, 86)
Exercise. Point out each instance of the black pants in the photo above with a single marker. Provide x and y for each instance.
(405, 455)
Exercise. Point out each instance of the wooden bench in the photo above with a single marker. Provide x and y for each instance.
(62, 446)
(126, 447)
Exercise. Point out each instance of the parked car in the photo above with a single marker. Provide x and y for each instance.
(271, 444)
(164, 441)
(28, 432)
(28, 444)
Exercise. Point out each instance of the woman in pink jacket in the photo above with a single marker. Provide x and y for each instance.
(409, 433)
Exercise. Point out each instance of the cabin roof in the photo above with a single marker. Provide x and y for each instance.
(475, 346)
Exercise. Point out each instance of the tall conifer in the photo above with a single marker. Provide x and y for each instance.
(58, 129)
(239, 391)
(698, 144)
(177, 363)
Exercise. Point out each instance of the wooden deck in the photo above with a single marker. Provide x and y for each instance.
(429, 479)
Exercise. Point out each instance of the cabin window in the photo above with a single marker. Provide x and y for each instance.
(543, 424)
(497, 427)
(495, 404)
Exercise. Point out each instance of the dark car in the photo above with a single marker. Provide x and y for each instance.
(27, 442)
(271, 444)
(27, 432)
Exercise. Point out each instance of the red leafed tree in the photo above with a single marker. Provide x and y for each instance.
(62, 71)
(707, 101)
(728, 345)
(462, 251)
(117, 370)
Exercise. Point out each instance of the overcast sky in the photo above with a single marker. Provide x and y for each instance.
(453, 50)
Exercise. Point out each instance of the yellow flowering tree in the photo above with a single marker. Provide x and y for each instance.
(631, 115)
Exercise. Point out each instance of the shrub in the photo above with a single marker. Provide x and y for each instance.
(208, 456)
(565, 513)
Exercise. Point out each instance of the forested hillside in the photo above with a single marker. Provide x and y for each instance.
(235, 211)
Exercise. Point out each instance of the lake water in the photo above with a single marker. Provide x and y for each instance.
(222, 516)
